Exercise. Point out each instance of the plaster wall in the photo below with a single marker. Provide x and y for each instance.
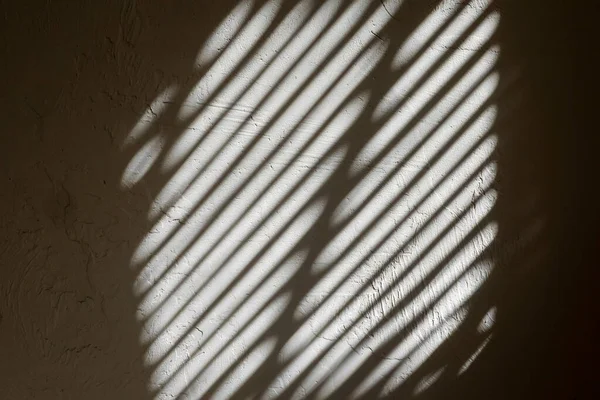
(276, 199)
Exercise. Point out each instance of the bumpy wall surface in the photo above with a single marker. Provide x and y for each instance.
(285, 199)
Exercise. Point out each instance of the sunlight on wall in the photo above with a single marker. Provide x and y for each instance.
(327, 204)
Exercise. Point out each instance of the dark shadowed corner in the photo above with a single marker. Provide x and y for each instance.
(545, 345)
(79, 78)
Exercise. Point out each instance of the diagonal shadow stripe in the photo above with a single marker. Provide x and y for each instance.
(209, 283)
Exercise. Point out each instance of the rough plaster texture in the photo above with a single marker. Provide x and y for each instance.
(273, 199)
(314, 216)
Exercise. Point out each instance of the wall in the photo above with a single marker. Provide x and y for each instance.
(291, 199)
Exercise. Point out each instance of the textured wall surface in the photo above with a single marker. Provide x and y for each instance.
(284, 199)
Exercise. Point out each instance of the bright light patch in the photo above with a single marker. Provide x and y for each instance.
(150, 117)
(227, 29)
(141, 162)
(428, 381)
(323, 208)
(476, 354)
(488, 320)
